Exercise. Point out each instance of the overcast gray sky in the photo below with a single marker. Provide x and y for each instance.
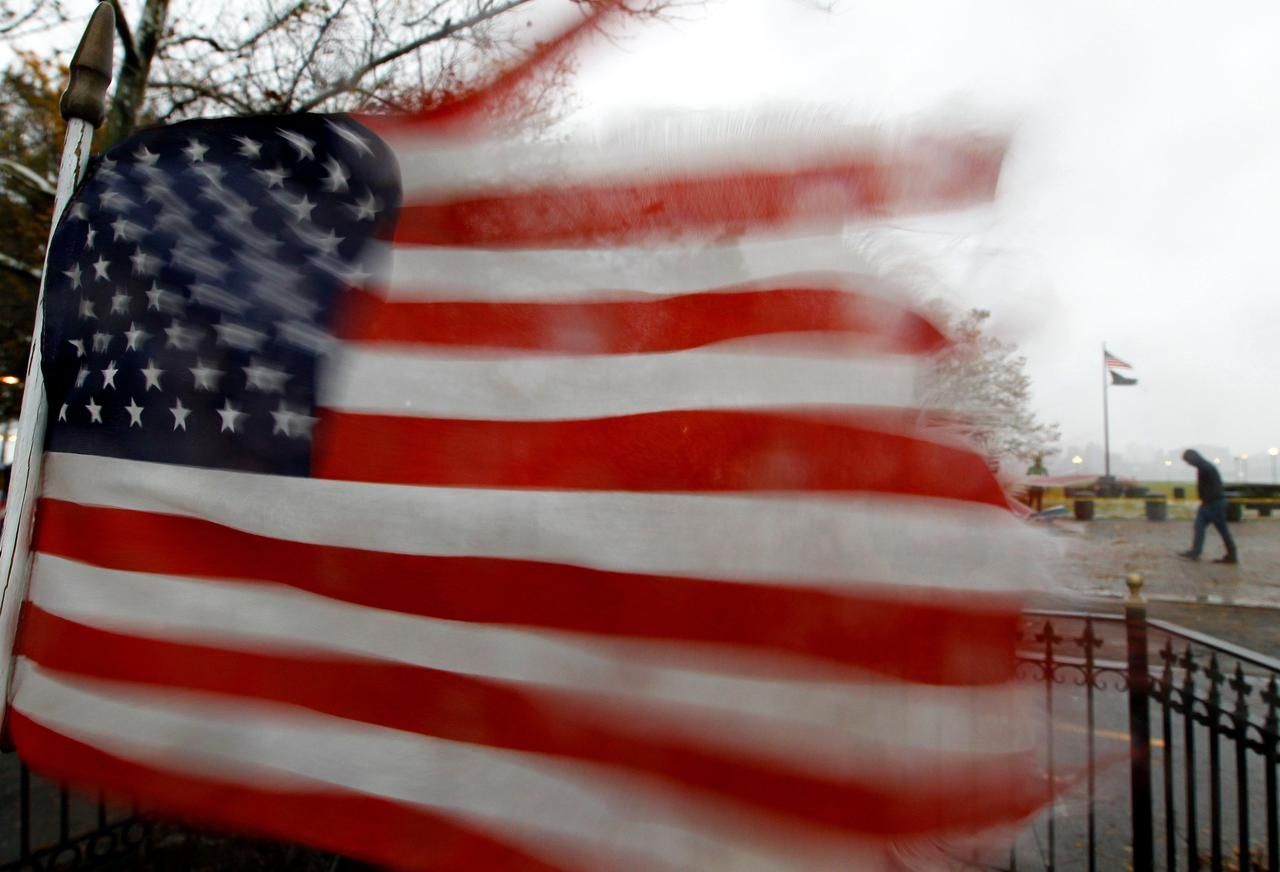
(1140, 199)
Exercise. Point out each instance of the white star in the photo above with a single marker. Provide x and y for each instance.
(290, 423)
(135, 336)
(250, 148)
(336, 180)
(120, 303)
(212, 174)
(62, 413)
(93, 234)
(74, 275)
(144, 264)
(153, 191)
(273, 178)
(230, 417)
(327, 243)
(180, 413)
(95, 411)
(181, 337)
(135, 413)
(303, 146)
(301, 207)
(351, 136)
(352, 274)
(109, 375)
(123, 228)
(195, 150)
(114, 201)
(101, 341)
(216, 298)
(146, 156)
(164, 301)
(308, 337)
(79, 346)
(199, 260)
(152, 374)
(366, 208)
(79, 210)
(81, 376)
(238, 208)
(206, 376)
(100, 267)
(238, 337)
(86, 309)
(265, 378)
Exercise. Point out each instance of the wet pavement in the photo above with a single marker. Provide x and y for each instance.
(1239, 604)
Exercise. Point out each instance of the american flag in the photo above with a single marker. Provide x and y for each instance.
(1113, 362)
(458, 503)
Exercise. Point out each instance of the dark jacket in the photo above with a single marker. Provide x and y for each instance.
(1208, 480)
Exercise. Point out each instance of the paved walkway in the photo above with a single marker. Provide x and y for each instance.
(1239, 604)
(1097, 555)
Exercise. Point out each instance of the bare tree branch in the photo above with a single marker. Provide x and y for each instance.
(311, 53)
(27, 175)
(14, 265)
(448, 29)
(125, 33)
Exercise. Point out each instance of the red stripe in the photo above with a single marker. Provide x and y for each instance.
(935, 636)
(365, 827)
(689, 451)
(697, 206)
(637, 326)
(956, 791)
(503, 93)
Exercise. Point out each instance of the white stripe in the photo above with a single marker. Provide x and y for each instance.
(443, 166)
(427, 273)
(549, 807)
(810, 539)
(829, 723)
(373, 378)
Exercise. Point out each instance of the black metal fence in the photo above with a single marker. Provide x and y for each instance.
(1173, 736)
(46, 827)
(1165, 743)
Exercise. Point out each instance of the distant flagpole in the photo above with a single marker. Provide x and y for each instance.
(1106, 424)
(83, 107)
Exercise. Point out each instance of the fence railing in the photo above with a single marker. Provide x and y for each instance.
(1178, 735)
(46, 827)
(1168, 739)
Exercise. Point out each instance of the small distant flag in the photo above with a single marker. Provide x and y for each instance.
(1114, 363)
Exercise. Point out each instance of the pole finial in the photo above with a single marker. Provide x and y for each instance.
(1134, 582)
(86, 94)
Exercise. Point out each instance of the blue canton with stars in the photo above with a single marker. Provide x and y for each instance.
(193, 286)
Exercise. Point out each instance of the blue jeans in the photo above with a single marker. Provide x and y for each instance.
(1213, 513)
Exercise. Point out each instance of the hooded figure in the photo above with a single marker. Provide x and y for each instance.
(1213, 508)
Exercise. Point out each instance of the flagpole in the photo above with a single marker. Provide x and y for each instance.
(83, 107)
(1106, 423)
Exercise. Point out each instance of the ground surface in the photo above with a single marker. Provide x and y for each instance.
(1239, 604)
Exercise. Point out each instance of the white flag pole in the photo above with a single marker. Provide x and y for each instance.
(83, 107)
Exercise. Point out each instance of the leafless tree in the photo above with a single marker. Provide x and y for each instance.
(182, 58)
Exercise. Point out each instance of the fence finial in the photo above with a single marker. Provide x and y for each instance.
(86, 94)
(1134, 581)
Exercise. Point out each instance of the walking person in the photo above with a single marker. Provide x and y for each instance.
(1035, 493)
(1213, 509)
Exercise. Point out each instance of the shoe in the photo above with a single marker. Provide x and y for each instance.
(1227, 558)
(1188, 555)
